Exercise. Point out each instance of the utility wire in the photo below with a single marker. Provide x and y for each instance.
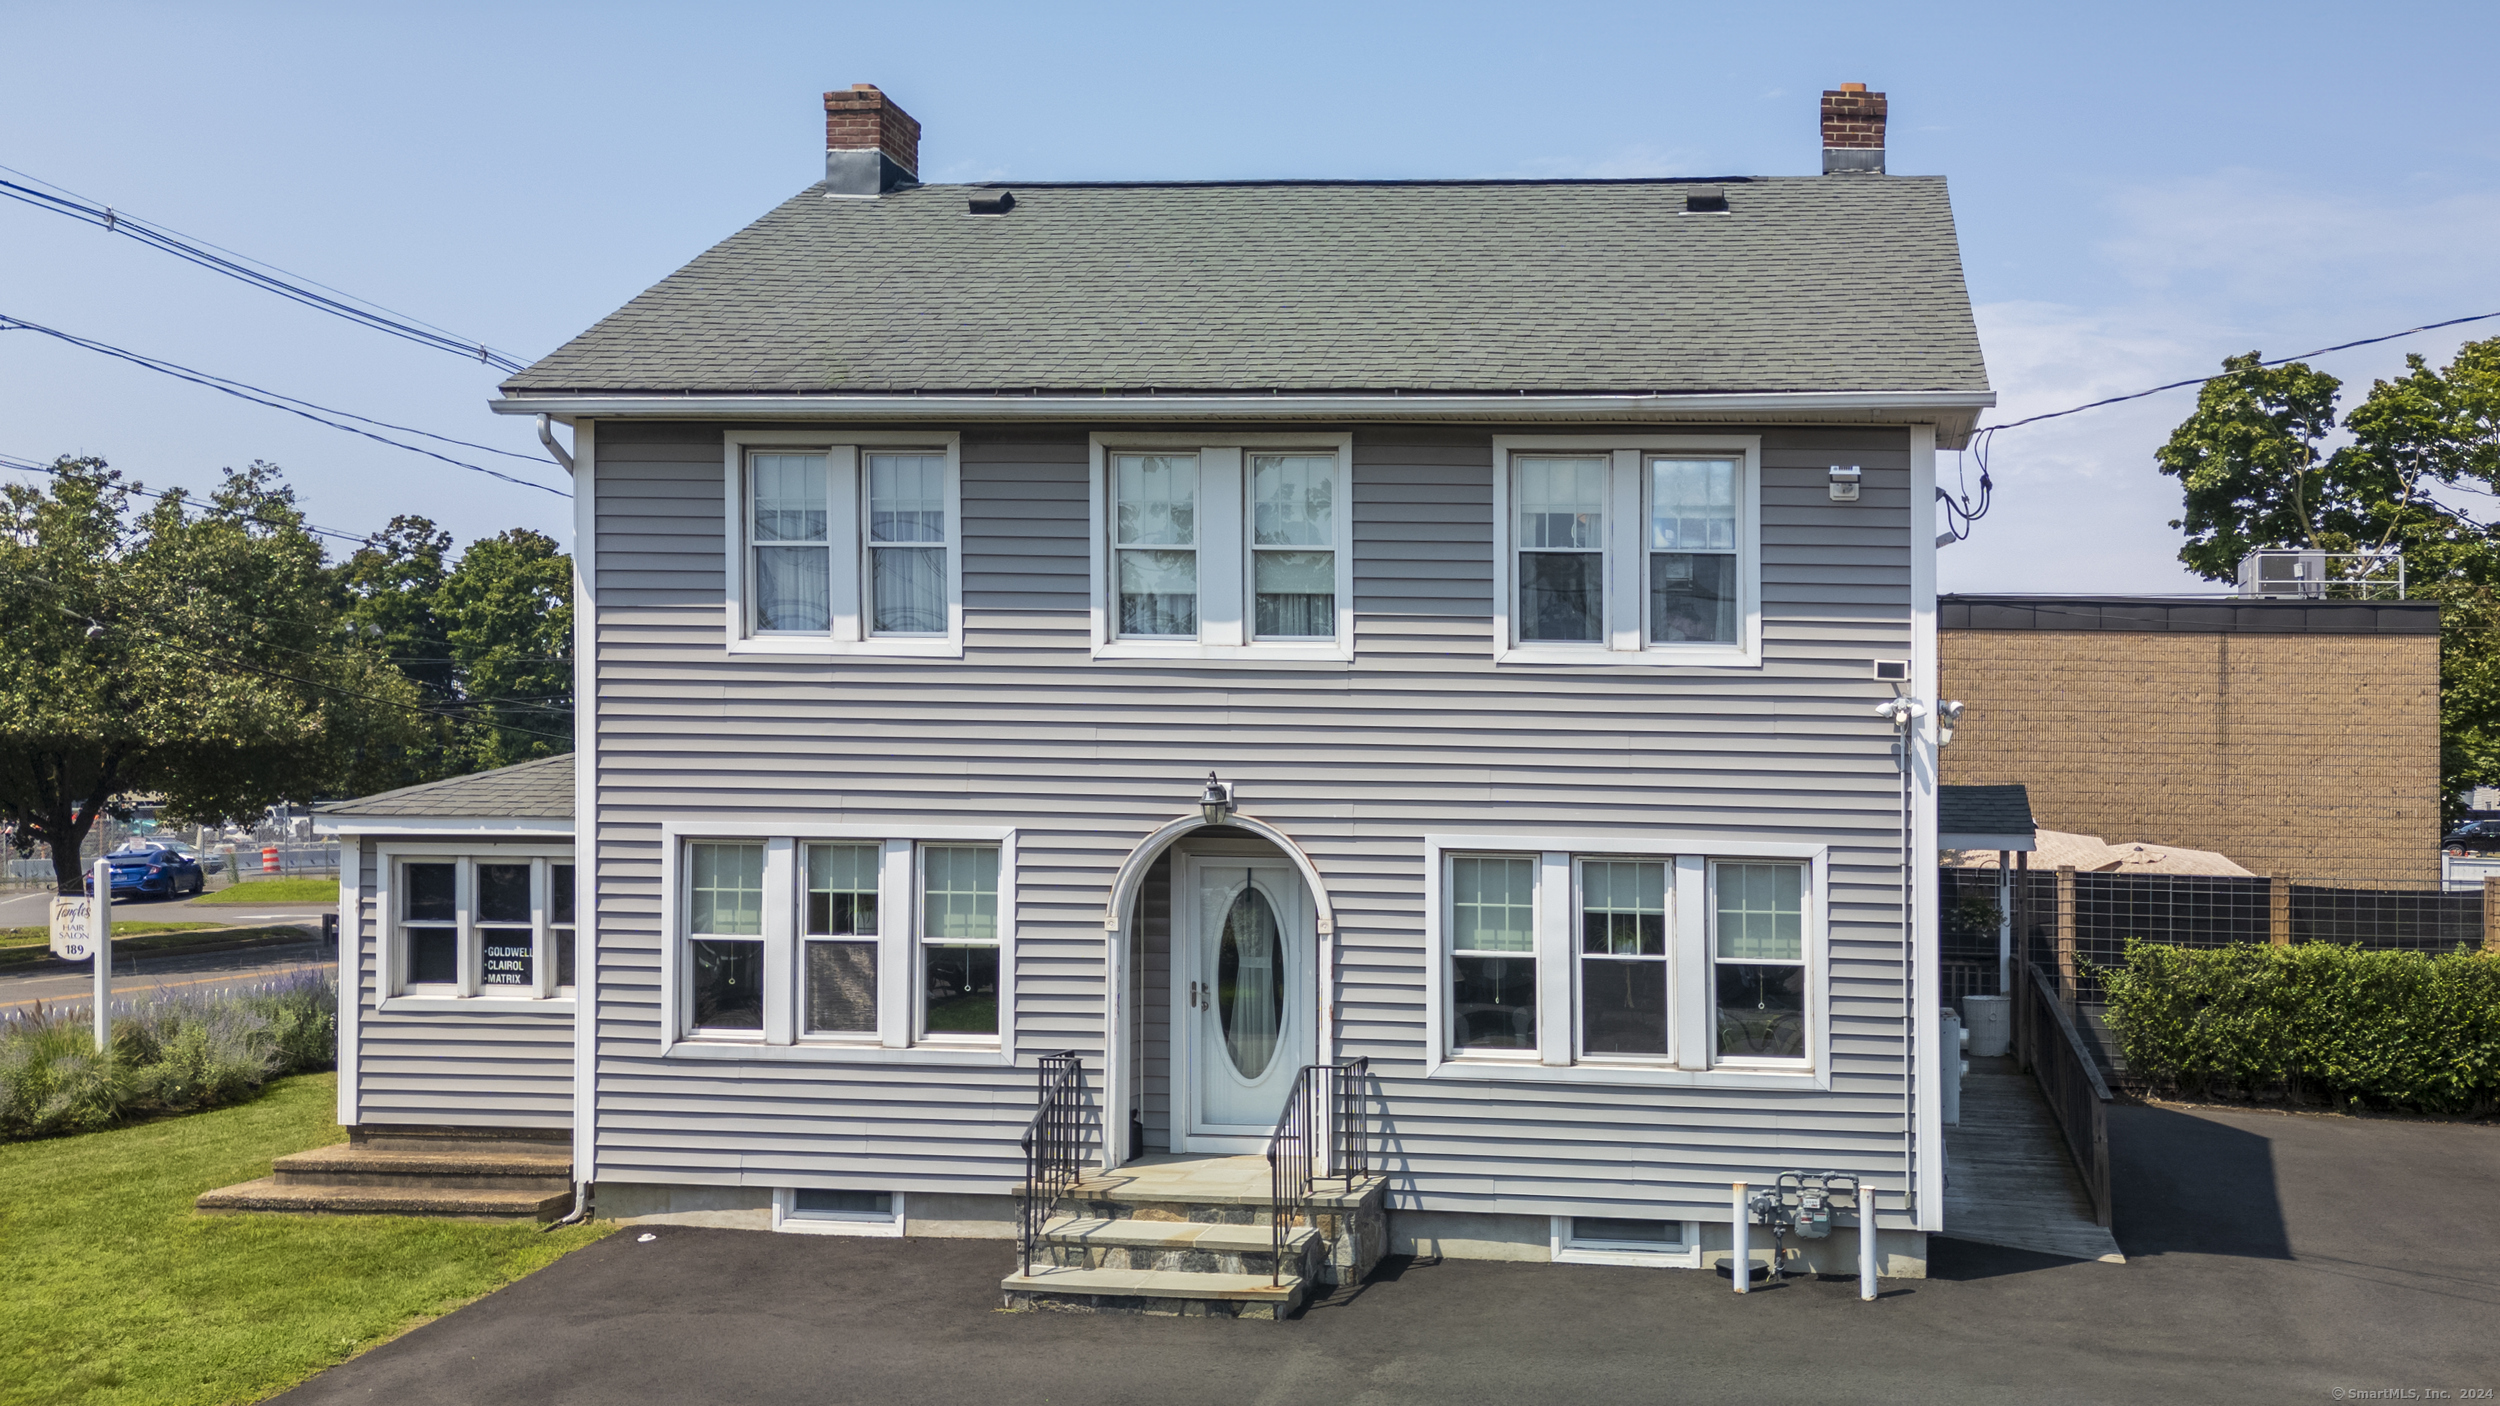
(25, 465)
(304, 409)
(255, 272)
(2226, 375)
(1959, 516)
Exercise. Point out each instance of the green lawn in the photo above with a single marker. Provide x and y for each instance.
(276, 891)
(116, 1291)
(42, 937)
(138, 940)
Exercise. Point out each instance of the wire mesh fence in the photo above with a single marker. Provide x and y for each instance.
(2073, 923)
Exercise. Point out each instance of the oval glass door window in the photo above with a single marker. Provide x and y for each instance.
(1250, 983)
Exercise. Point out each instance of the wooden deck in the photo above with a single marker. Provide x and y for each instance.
(2008, 1178)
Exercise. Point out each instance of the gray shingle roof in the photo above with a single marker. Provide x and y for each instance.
(1806, 284)
(539, 790)
(1983, 810)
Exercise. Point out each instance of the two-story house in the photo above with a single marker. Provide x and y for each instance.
(1224, 628)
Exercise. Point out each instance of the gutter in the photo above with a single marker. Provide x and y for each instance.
(1937, 406)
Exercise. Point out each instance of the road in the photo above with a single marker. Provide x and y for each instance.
(204, 972)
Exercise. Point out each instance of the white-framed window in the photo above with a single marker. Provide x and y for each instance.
(1642, 549)
(844, 543)
(1758, 962)
(1232, 547)
(1627, 1240)
(1613, 960)
(827, 1210)
(470, 924)
(808, 940)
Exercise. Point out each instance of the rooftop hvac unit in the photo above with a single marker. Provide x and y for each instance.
(2278, 575)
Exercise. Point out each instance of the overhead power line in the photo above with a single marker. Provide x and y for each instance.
(265, 276)
(318, 414)
(2226, 375)
(26, 465)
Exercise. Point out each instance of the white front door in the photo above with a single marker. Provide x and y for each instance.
(1244, 999)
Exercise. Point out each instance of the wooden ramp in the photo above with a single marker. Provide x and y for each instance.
(2008, 1178)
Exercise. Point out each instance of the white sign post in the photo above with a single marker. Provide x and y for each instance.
(82, 931)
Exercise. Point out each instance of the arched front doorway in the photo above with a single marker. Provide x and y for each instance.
(1221, 939)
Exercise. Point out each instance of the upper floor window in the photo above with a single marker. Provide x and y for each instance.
(1636, 551)
(1237, 549)
(845, 548)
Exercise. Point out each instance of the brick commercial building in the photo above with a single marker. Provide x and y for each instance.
(2300, 738)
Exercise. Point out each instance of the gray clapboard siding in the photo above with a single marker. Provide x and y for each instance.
(431, 1068)
(1422, 733)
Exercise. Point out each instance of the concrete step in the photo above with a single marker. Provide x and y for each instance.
(1153, 1291)
(365, 1199)
(1093, 1242)
(415, 1138)
(516, 1167)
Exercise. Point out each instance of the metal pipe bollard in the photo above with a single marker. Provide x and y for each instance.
(1742, 1265)
(1866, 1242)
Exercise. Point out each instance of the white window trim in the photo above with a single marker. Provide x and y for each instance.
(1566, 1250)
(789, 1220)
(1689, 1022)
(1627, 590)
(391, 996)
(898, 986)
(1226, 604)
(846, 532)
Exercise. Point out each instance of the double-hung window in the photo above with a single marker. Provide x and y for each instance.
(1758, 961)
(470, 926)
(845, 545)
(725, 936)
(1216, 550)
(841, 941)
(1645, 550)
(1653, 961)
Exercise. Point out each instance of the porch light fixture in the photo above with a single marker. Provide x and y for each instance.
(1216, 801)
(1948, 717)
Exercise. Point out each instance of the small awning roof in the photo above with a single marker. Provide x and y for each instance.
(1984, 817)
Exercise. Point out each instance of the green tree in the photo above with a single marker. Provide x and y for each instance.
(387, 590)
(507, 610)
(189, 650)
(2255, 472)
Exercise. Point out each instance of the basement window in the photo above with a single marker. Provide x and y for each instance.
(1664, 1244)
(821, 1210)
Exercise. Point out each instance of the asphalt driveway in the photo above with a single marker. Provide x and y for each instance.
(2271, 1257)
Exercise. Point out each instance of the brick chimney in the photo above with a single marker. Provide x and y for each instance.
(871, 146)
(1853, 130)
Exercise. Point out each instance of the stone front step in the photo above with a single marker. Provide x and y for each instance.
(1184, 1247)
(366, 1199)
(1153, 1291)
(473, 1167)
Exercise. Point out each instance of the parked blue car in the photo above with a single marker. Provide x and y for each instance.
(142, 869)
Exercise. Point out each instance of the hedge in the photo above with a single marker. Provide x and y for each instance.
(2316, 1022)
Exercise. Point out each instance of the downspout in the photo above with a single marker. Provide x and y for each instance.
(547, 437)
(1903, 714)
(585, 1000)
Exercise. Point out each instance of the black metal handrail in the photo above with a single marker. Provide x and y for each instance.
(1324, 1125)
(1054, 1144)
(2072, 1084)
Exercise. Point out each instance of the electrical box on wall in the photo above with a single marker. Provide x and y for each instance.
(1844, 483)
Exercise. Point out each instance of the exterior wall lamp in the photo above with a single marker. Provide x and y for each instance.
(1216, 801)
(1948, 717)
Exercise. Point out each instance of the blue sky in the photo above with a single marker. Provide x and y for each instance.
(2141, 189)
